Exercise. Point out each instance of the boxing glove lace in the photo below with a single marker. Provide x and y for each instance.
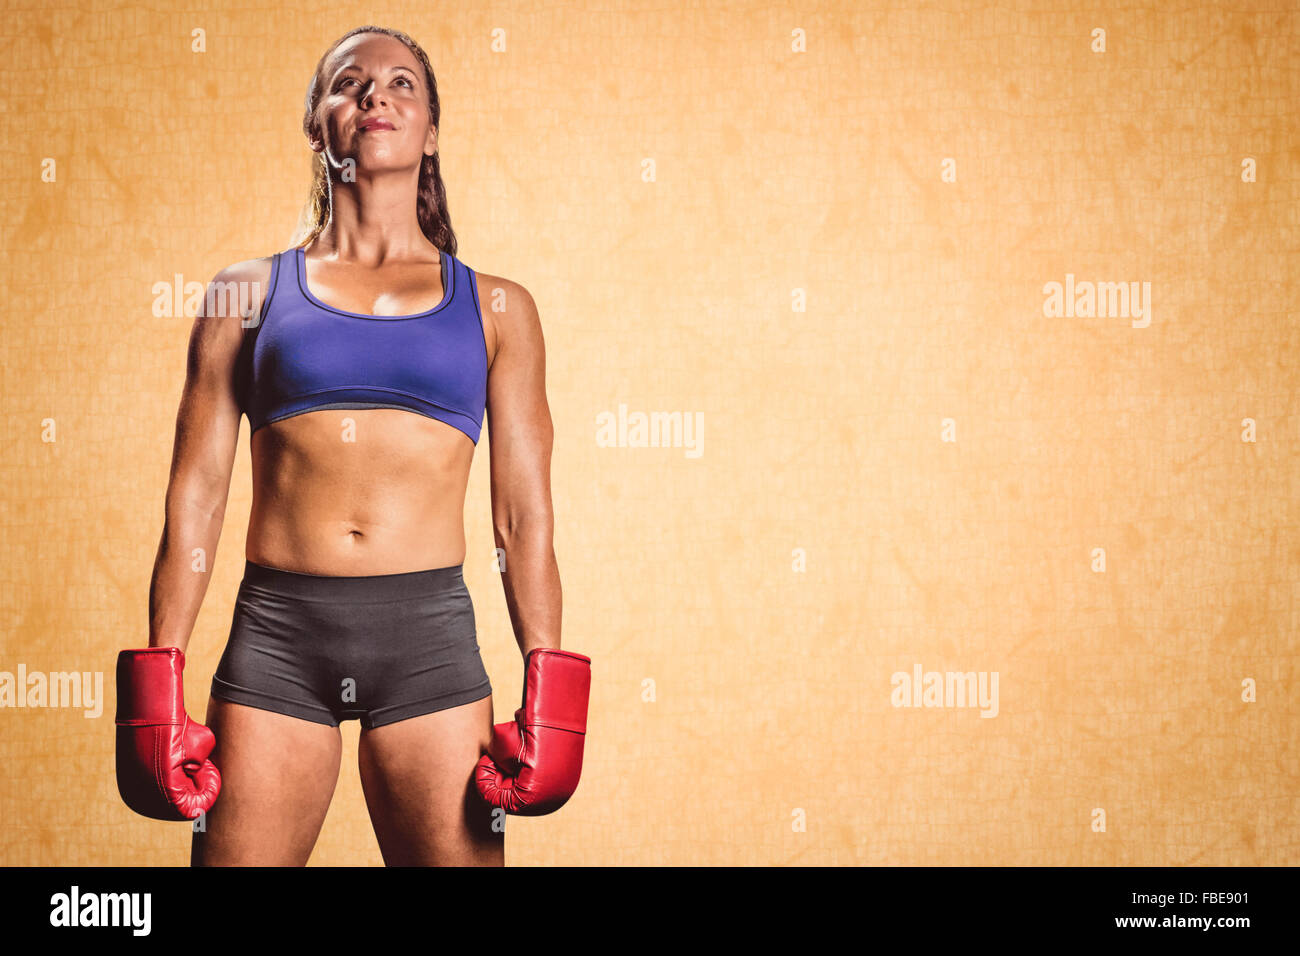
(534, 761)
(163, 770)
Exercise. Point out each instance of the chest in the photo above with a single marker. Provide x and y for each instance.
(301, 351)
(392, 292)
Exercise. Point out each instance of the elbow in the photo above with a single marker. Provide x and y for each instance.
(202, 502)
(524, 524)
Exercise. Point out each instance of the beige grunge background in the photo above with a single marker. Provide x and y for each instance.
(824, 233)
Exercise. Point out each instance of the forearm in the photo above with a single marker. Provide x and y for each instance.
(191, 531)
(531, 579)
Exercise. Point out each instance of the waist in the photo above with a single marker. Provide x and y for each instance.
(386, 497)
(353, 589)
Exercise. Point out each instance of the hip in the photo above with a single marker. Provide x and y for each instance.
(378, 647)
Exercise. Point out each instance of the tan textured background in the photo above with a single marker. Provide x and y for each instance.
(775, 171)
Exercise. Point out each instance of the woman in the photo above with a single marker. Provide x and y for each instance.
(365, 381)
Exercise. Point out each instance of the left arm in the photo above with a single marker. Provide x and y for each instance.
(534, 761)
(521, 437)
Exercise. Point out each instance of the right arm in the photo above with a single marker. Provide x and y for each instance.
(203, 456)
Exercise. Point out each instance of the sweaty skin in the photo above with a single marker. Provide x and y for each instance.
(362, 491)
(348, 492)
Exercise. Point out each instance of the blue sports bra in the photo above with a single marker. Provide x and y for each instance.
(304, 355)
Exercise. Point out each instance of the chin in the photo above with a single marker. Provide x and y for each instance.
(379, 161)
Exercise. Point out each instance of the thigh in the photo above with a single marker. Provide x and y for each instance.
(418, 778)
(278, 775)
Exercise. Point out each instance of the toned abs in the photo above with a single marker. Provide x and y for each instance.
(361, 491)
(358, 492)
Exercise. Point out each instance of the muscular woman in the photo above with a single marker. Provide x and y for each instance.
(367, 365)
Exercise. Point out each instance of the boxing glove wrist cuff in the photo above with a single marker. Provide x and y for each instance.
(556, 687)
(150, 687)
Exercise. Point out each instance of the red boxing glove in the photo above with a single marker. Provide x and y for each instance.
(534, 762)
(163, 770)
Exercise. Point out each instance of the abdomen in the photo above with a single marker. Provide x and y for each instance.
(358, 492)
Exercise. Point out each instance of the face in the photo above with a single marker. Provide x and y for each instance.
(375, 105)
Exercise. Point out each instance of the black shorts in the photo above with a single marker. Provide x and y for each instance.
(377, 648)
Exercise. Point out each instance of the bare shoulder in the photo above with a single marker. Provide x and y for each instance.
(249, 279)
(231, 303)
(248, 269)
(509, 312)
